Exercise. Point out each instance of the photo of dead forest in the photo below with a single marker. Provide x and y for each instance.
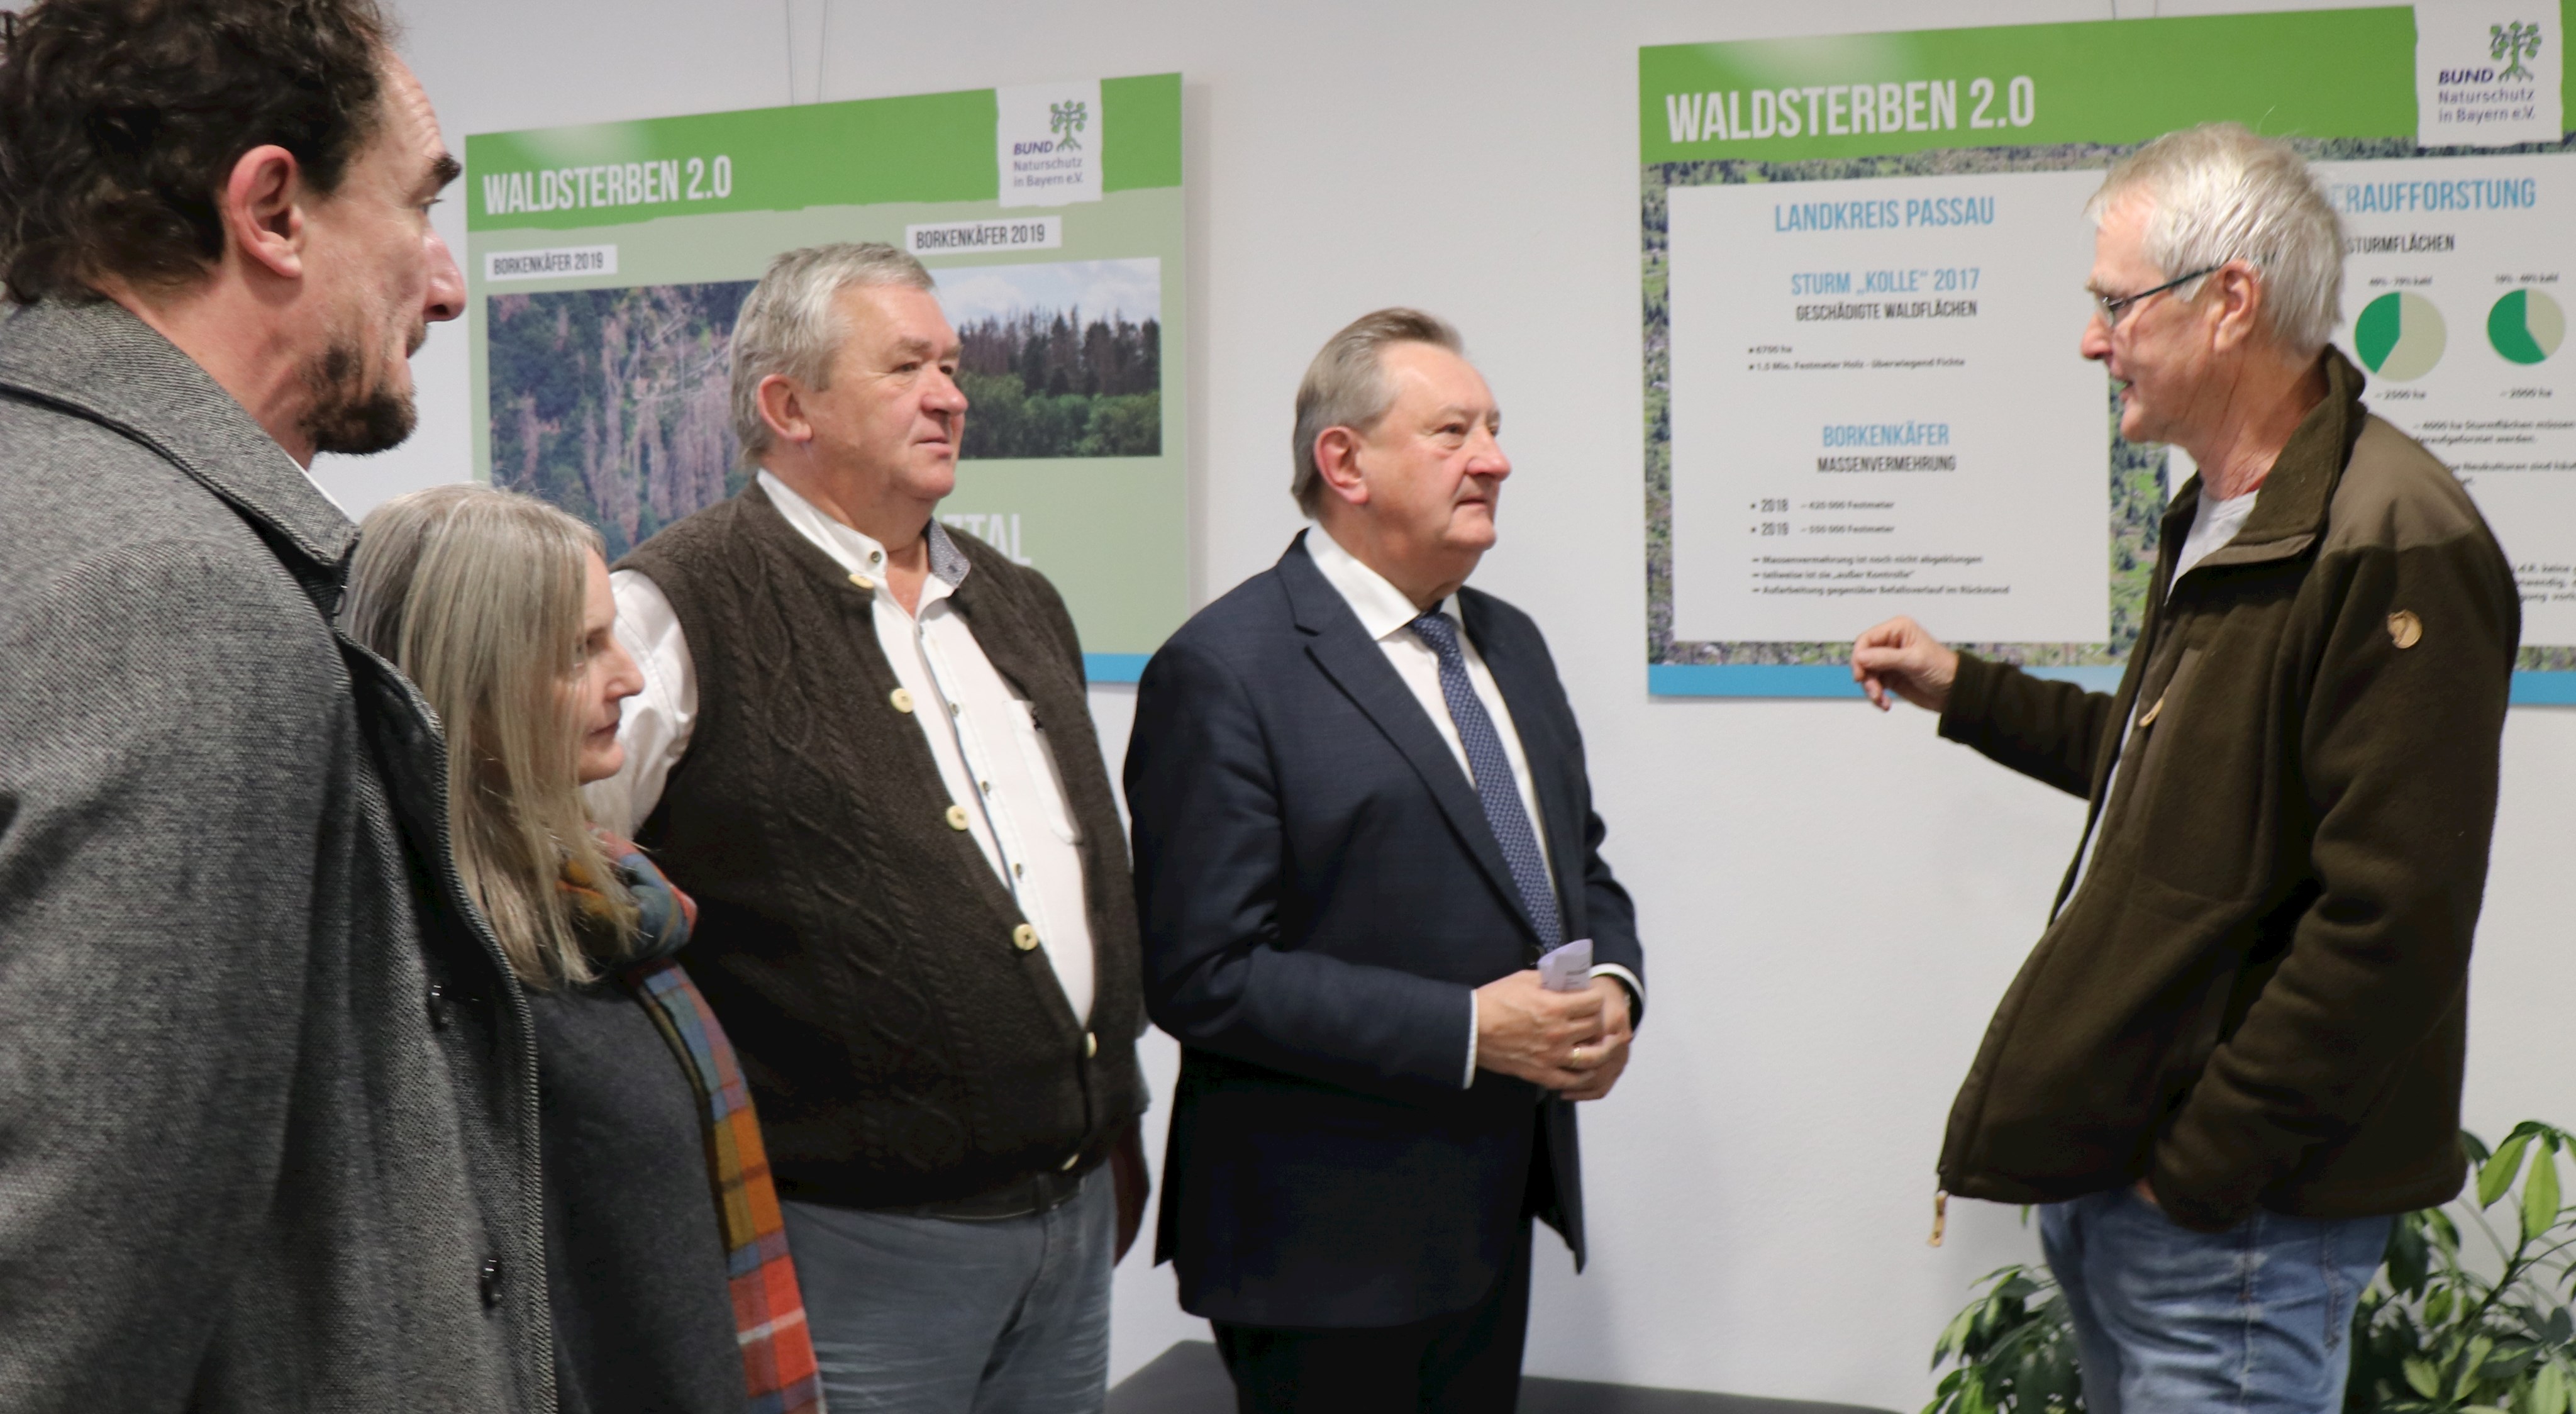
(613, 403)
(1061, 360)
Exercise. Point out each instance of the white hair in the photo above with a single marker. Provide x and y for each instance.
(2218, 193)
(791, 323)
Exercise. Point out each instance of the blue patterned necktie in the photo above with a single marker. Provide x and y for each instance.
(1492, 769)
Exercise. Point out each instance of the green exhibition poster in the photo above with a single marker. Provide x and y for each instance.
(1864, 260)
(605, 264)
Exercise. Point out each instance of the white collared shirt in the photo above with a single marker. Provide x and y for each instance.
(998, 766)
(1386, 614)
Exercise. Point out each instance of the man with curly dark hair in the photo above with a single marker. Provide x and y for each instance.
(267, 1094)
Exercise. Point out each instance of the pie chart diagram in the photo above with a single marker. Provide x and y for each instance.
(2400, 336)
(2526, 326)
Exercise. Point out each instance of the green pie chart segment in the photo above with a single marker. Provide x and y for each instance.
(2399, 336)
(2526, 326)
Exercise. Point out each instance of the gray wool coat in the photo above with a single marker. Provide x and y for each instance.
(267, 1090)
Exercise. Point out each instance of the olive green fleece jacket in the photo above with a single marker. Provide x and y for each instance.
(2256, 994)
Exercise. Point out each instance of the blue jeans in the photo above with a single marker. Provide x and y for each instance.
(2171, 1321)
(917, 1315)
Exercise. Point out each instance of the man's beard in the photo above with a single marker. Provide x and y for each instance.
(347, 416)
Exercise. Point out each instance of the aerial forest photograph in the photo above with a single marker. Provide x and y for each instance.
(1061, 360)
(612, 403)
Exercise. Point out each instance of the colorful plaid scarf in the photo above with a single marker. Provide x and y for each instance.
(768, 1310)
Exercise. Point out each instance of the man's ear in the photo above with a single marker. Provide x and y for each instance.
(2239, 298)
(1337, 462)
(262, 205)
(782, 406)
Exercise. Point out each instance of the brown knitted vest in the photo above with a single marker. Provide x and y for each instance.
(858, 950)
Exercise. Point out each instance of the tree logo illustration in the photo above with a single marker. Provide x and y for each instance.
(2514, 42)
(1072, 117)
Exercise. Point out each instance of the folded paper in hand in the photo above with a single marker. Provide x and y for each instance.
(1567, 969)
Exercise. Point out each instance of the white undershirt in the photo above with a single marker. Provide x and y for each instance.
(316, 483)
(1386, 614)
(2213, 524)
(997, 764)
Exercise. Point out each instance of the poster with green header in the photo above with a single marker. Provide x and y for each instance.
(606, 264)
(1864, 261)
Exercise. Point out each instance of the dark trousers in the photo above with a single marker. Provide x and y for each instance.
(1467, 1362)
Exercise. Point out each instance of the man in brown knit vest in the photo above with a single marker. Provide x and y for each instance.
(863, 746)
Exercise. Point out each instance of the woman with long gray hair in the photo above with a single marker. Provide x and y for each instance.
(667, 1264)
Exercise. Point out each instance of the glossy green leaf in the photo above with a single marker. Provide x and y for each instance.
(2409, 1255)
(2425, 1380)
(2445, 1233)
(2508, 1361)
(1953, 1337)
(2540, 1192)
(2496, 1175)
(2549, 1391)
(2462, 1373)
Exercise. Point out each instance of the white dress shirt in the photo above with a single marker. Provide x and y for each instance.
(998, 766)
(1387, 614)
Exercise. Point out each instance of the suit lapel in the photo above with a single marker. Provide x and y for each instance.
(1357, 665)
(1528, 686)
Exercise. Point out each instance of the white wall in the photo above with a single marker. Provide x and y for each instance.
(1831, 900)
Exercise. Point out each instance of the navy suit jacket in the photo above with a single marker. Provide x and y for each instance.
(1320, 893)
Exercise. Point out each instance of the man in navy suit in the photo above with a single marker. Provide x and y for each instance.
(1361, 815)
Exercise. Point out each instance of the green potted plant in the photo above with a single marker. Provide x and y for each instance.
(2445, 1326)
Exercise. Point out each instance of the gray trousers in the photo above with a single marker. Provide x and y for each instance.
(918, 1315)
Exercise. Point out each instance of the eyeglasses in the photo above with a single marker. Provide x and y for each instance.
(2115, 306)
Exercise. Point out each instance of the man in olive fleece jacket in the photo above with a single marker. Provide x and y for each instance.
(2237, 1048)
